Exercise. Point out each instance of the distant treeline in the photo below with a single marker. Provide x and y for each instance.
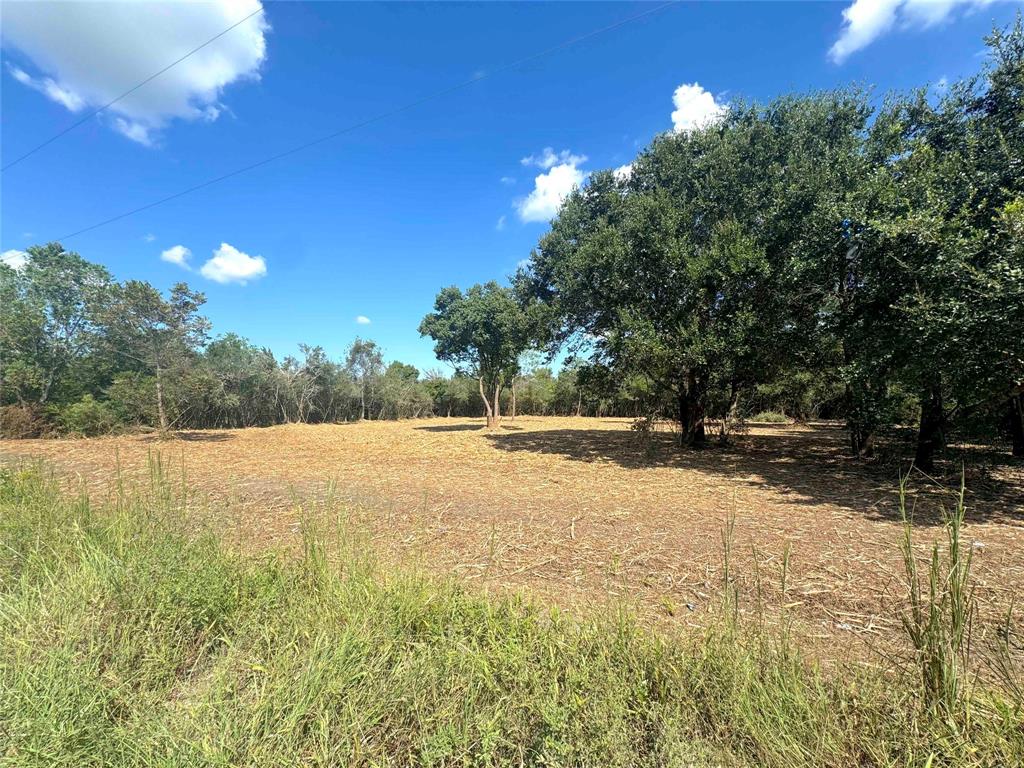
(81, 353)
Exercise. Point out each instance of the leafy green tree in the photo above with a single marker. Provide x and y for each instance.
(365, 363)
(935, 301)
(481, 332)
(690, 273)
(402, 394)
(48, 319)
(161, 335)
(246, 384)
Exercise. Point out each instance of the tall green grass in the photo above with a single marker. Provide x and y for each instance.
(127, 639)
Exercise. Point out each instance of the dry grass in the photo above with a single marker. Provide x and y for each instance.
(579, 509)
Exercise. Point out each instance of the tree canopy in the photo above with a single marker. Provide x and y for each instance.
(482, 333)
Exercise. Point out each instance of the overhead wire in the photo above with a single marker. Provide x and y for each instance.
(130, 91)
(374, 119)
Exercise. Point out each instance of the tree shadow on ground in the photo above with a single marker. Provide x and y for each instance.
(812, 466)
(191, 436)
(453, 428)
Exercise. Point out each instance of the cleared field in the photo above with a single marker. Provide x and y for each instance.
(580, 510)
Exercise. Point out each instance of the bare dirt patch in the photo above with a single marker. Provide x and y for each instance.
(581, 509)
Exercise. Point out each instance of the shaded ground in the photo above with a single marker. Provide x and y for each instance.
(583, 509)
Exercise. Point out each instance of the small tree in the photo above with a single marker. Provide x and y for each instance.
(481, 332)
(158, 334)
(365, 363)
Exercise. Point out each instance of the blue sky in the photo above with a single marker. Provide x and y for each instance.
(373, 223)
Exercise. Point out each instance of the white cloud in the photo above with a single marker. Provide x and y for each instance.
(551, 188)
(362, 320)
(14, 259)
(230, 265)
(89, 53)
(864, 21)
(548, 158)
(47, 86)
(149, 238)
(508, 180)
(623, 172)
(134, 131)
(501, 223)
(177, 254)
(694, 108)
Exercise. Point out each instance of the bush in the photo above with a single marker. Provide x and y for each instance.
(21, 422)
(770, 417)
(87, 417)
(132, 397)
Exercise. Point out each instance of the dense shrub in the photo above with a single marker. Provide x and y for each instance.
(87, 417)
(770, 417)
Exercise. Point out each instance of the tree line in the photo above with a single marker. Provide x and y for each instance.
(865, 260)
(82, 353)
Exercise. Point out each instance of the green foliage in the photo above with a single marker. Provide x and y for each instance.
(87, 417)
(130, 639)
(770, 417)
(482, 333)
(940, 619)
(48, 315)
(807, 245)
(689, 273)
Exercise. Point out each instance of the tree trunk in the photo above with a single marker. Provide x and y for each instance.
(45, 395)
(730, 414)
(362, 401)
(930, 435)
(1015, 406)
(513, 398)
(579, 404)
(161, 413)
(691, 412)
(860, 424)
(862, 442)
(487, 406)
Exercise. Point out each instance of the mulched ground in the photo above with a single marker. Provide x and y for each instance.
(580, 510)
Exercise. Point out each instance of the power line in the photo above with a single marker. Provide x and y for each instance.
(130, 91)
(376, 118)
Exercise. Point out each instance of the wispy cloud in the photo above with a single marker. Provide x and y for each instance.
(362, 320)
(80, 54)
(864, 21)
(548, 158)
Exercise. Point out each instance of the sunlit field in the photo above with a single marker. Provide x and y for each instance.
(581, 511)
